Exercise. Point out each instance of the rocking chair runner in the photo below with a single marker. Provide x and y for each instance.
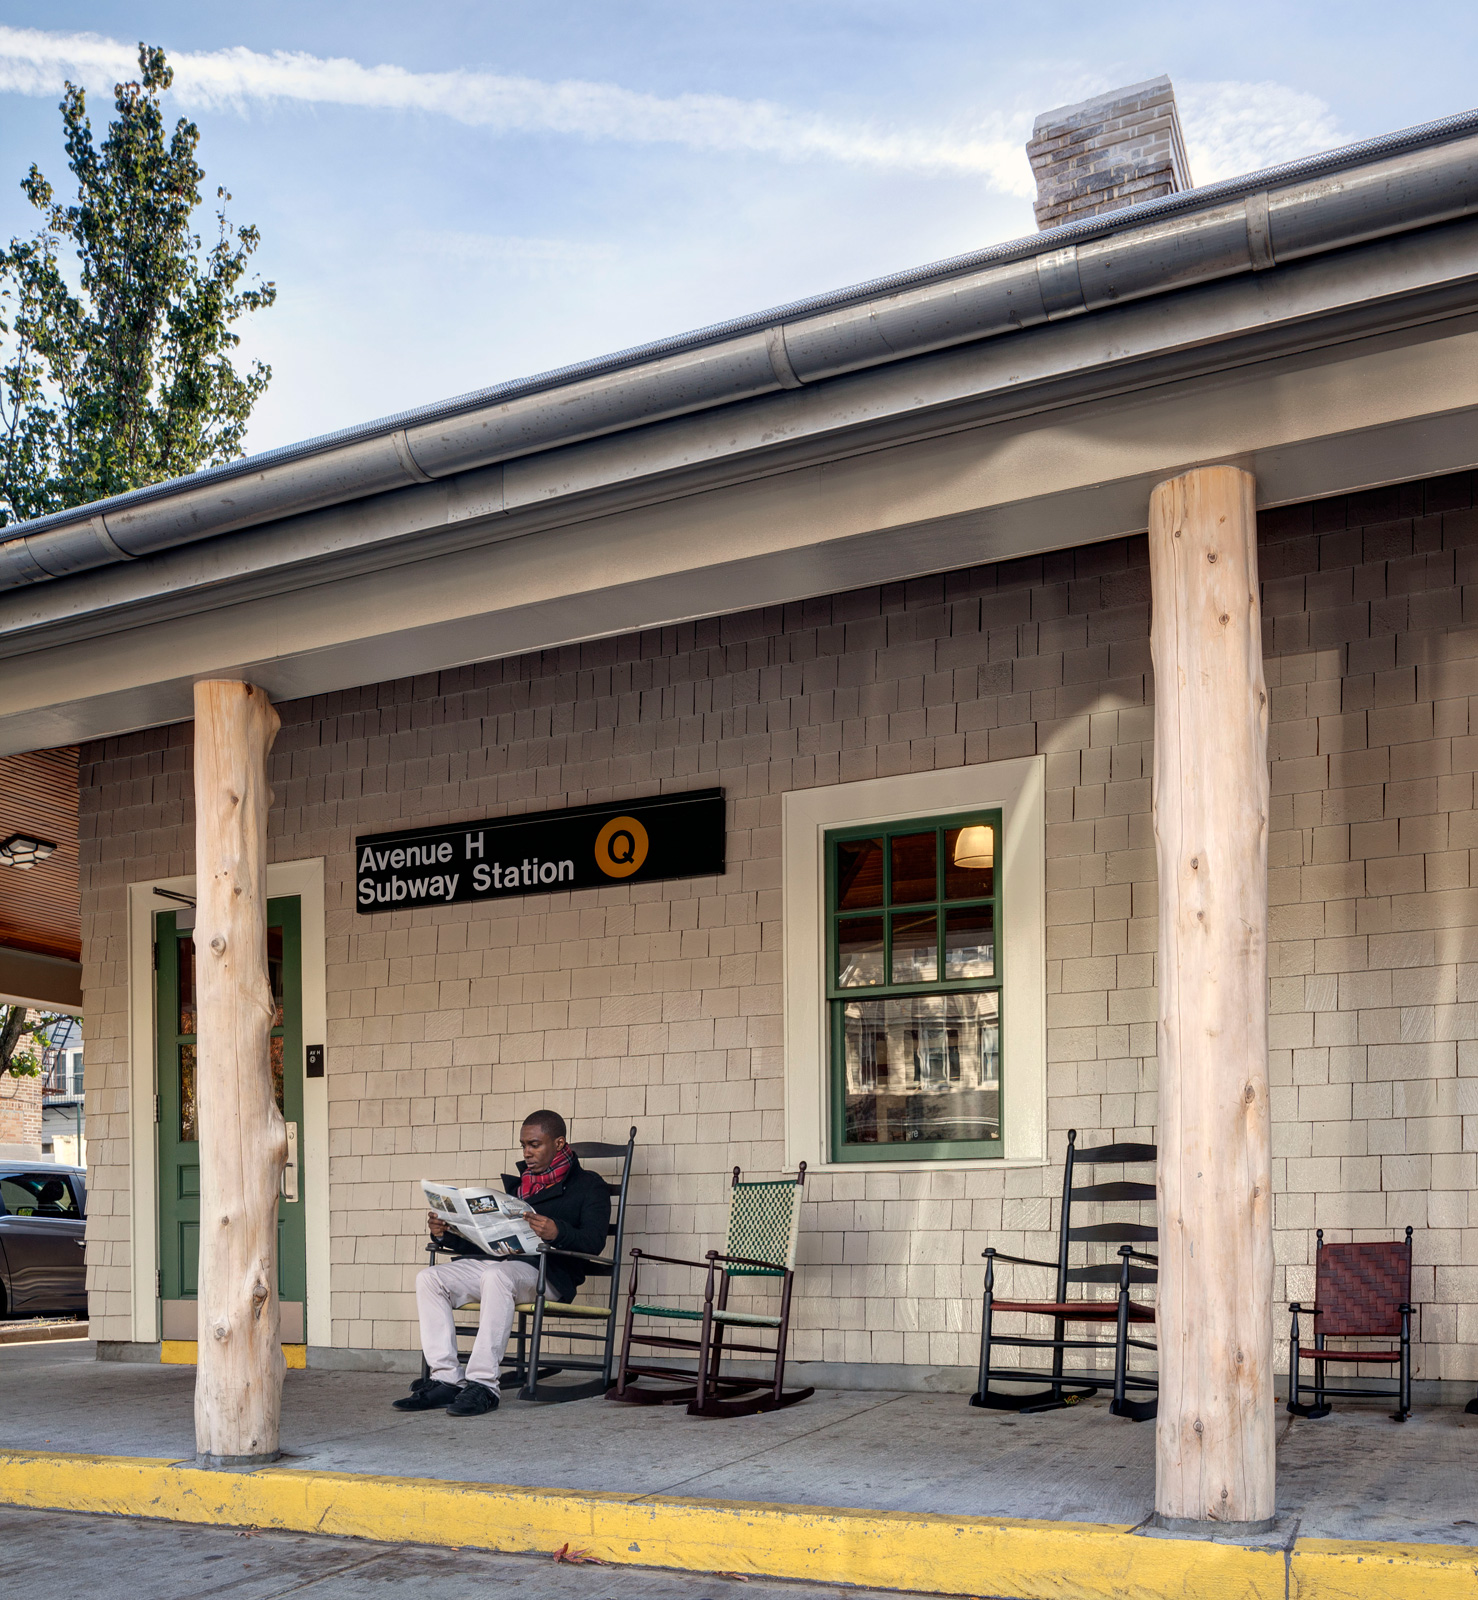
(764, 1224)
(1361, 1291)
(1122, 1313)
(588, 1323)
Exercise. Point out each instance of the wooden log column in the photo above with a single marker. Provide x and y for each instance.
(1214, 1444)
(243, 1139)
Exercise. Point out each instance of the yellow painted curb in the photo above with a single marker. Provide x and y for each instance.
(182, 1353)
(1019, 1559)
(946, 1555)
(1348, 1569)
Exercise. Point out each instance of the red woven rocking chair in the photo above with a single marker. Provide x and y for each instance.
(1361, 1291)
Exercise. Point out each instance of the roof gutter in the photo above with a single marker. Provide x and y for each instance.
(1423, 176)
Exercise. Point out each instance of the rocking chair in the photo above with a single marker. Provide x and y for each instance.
(1361, 1291)
(581, 1322)
(764, 1223)
(1121, 1313)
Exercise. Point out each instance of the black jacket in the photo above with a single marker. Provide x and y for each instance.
(580, 1204)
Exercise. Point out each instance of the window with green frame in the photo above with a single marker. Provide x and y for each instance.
(913, 989)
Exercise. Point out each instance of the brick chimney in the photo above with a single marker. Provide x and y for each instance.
(1103, 154)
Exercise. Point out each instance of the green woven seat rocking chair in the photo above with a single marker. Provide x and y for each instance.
(764, 1224)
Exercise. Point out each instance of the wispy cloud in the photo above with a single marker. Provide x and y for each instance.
(508, 254)
(35, 62)
(1232, 128)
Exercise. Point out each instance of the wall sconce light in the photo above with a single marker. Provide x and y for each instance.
(22, 851)
(976, 848)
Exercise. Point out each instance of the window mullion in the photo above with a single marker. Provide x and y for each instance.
(941, 836)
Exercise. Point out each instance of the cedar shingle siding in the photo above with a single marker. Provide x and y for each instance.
(662, 1005)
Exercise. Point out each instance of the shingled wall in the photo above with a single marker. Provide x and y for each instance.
(662, 1004)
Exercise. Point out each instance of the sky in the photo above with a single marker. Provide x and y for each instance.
(461, 192)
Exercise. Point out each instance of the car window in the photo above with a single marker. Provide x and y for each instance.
(38, 1194)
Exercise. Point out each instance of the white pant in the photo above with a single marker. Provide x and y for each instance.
(499, 1285)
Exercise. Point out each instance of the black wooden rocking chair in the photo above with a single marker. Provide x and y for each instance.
(1121, 1313)
(1361, 1291)
(764, 1224)
(589, 1322)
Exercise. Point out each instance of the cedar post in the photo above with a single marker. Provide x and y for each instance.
(1215, 1431)
(243, 1139)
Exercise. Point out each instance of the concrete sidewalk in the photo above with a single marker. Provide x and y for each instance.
(922, 1467)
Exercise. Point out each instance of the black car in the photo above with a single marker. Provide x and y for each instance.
(42, 1239)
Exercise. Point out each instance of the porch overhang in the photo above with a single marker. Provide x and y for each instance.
(49, 983)
(1350, 364)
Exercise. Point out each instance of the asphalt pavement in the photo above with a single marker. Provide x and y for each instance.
(64, 1556)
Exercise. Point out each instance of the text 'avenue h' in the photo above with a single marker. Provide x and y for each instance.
(584, 847)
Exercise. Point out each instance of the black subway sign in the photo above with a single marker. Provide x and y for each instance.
(584, 847)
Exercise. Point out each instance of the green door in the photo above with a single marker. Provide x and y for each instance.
(179, 1146)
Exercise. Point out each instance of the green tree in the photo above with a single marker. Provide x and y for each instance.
(24, 1036)
(117, 372)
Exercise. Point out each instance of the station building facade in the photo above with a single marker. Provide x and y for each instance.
(870, 572)
(696, 1009)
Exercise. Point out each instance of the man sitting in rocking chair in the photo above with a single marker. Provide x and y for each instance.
(572, 1210)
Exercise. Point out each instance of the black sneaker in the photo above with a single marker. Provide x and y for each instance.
(473, 1401)
(427, 1394)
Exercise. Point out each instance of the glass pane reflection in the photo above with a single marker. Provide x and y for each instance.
(970, 942)
(964, 882)
(915, 947)
(859, 868)
(914, 876)
(922, 1068)
(859, 951)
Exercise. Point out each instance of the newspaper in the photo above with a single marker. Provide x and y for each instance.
(488, 1218)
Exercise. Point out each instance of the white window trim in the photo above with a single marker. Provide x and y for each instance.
(1018, 789)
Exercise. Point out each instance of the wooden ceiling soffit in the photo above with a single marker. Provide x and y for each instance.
(40, 909)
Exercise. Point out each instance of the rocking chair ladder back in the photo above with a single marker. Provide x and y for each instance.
(1361, 1291)
(579, 1322)
(1123, 1313)
(764, 1226)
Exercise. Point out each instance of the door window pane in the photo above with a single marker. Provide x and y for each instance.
(859, 874)
(915, 947)
(274, 973)
(922, 1069)
(914, 876)
(970, 942)
(277, 1069)
(186, 946)
(859, 951)
(188, 1129)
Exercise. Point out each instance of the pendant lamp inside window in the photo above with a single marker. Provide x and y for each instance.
(975, 848)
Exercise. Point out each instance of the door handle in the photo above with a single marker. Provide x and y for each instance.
(290, 1170)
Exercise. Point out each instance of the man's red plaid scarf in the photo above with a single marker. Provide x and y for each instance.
(557, 1171)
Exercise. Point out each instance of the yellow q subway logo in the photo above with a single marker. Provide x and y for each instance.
(621, 847)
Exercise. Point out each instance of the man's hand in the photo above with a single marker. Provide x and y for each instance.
(546, 1227)
(436, 1224)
